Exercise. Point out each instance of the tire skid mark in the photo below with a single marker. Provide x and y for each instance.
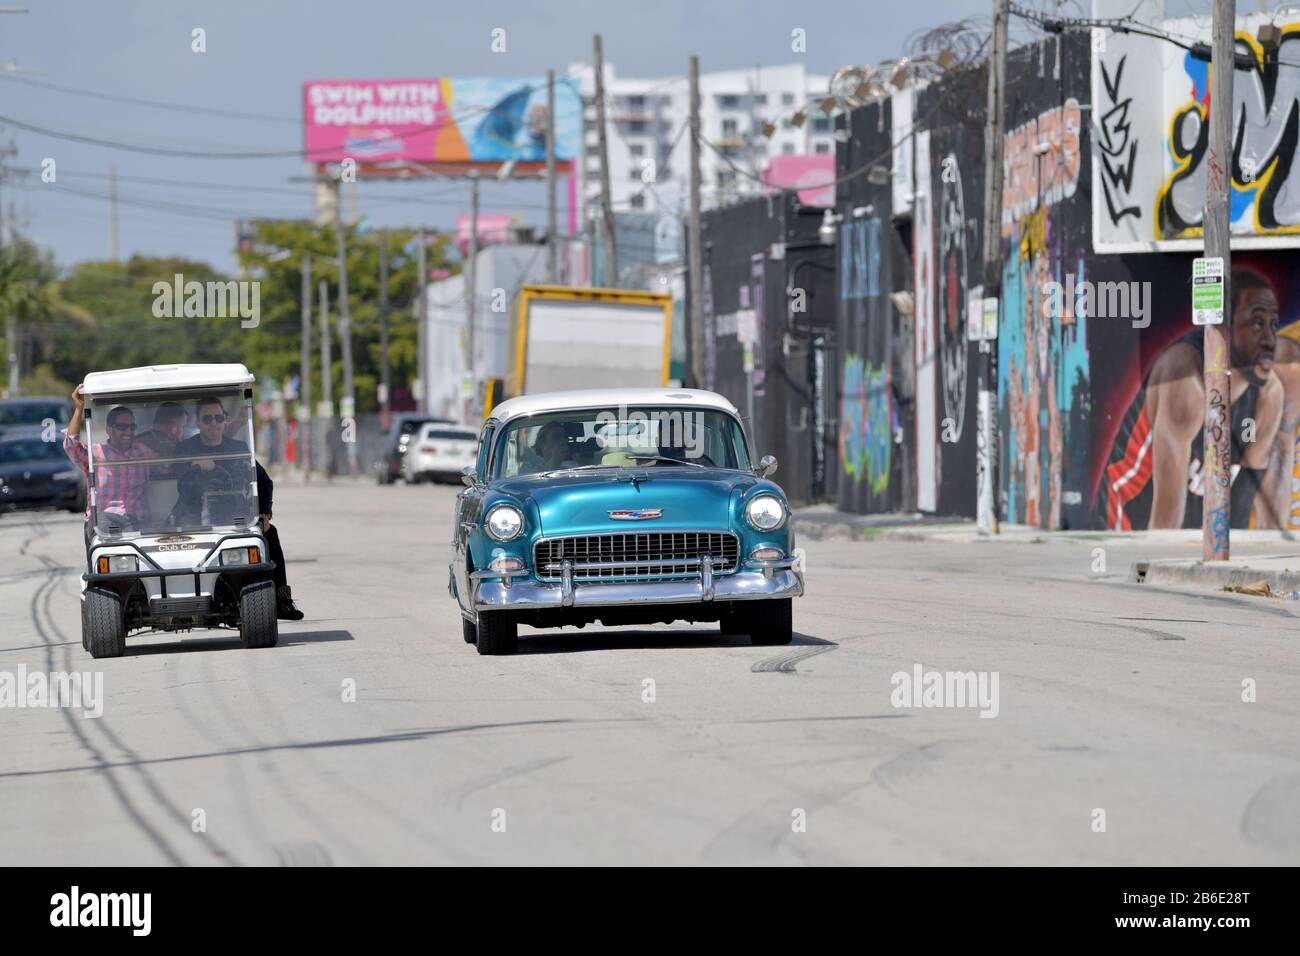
(405, 823)
(302, 853)
(100, 763)
(41, 604)
(232, 718)
(507, 773)
(786, 663)
(235, 772)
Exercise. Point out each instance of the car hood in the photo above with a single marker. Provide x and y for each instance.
(581, 503)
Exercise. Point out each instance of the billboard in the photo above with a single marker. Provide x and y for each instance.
(440, 122)
(1151, 147)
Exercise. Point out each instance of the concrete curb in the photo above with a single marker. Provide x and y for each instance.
(1215, 576)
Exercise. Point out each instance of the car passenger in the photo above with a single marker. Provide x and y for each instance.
(206, 474)
(169, 422)
(550, 451)
(119, 489)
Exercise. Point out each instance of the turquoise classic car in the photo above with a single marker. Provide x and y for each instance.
(622, 506)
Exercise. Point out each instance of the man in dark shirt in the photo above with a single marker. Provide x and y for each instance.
(228, 474)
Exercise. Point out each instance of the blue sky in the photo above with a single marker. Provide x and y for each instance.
(260, 53)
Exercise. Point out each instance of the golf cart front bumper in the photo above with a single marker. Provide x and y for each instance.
(758, 580)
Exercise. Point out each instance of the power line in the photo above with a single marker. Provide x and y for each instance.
(154, 104)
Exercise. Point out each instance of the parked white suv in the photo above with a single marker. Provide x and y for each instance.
(439, 453)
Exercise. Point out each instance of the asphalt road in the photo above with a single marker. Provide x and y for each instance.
(1111, 696)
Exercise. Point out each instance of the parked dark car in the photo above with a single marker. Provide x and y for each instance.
(35, 473)
(20, 415)
(404, 428)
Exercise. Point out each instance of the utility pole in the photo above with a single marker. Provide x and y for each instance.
(385, 385)
(326, 382)
(986, 477)
(112, 214)
(304, 373)
(1216, 516)
(552, 273)
(421, 324)
(606, 199)
(694, 243)
(348, 406)
(11, 318)
(471, 302)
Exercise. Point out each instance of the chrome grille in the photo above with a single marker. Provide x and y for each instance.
(641, 554)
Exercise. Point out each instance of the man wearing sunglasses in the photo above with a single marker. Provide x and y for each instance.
(207, 474)
(119, 488)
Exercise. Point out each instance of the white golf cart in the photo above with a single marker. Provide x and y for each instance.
(175, 540)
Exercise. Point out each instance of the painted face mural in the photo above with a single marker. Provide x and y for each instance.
(952, 296)
(1155, 474)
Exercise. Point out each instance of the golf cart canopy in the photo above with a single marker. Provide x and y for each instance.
(171, 449)
(161, 378)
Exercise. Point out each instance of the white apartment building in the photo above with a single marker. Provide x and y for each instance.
(648, 147)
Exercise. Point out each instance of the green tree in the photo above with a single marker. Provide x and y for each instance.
(276, 259)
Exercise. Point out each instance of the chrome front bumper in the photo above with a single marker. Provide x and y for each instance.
(494, 591)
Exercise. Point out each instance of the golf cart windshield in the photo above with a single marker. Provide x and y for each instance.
(171, 463)
(620, 438)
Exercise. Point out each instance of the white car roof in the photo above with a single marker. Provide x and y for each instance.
(469, 431)
(609, 398)
(150, 378)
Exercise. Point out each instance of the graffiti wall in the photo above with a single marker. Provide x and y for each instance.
(869, 426)
(1043, 364)
(1152, 154)
(762, 345)
(948, 270)
(1100, 398)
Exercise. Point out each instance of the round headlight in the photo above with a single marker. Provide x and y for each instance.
(504, 522)
(765, 512)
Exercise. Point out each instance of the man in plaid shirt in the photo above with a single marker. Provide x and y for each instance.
(119, 489)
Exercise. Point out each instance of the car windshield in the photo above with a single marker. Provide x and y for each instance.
(619, 438)
(450, 434)
(33, 413)
(177, 464)
(30, 449)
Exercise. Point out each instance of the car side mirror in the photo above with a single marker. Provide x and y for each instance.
(468, 476)
(766, 466)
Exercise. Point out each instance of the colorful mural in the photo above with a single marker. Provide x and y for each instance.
(1153, 473)
(1152, 112)
(1042, 376)
(866, 422)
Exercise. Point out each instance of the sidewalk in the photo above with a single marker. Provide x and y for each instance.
(1267, 564)
(1261, 575)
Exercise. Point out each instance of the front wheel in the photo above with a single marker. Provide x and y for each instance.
(767, 622)
(258, 626)
(468, 631)
(498, 633)
(103, 630)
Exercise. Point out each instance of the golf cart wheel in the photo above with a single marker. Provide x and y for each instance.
(103, 630)
(468, 631)
(498, 632)
(257, 618)
(768, 622)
